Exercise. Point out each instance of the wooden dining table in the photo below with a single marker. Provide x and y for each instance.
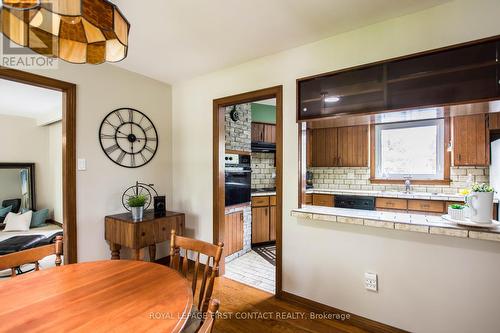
(102, 296)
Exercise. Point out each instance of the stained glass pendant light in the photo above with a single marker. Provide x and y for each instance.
(78, 31)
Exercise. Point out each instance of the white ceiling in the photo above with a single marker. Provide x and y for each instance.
(178, 39)
(17, 99)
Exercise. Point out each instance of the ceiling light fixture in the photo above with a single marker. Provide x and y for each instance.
(332, 99)
(84, 31)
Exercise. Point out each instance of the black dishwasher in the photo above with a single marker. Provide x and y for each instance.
(355, 202)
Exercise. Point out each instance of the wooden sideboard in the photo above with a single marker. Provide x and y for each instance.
(122, 231)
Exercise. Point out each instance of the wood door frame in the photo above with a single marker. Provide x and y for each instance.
(68, 150)
(218, 168)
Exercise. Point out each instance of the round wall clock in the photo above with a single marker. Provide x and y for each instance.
(128, 137)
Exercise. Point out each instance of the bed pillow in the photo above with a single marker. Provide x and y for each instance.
(39, 217)
(5, 210)
(15, 222)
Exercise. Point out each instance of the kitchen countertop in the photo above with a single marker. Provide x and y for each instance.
(263, 194)
(392, 194)
(429, 224)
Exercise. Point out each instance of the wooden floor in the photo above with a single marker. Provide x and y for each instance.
(240, 300)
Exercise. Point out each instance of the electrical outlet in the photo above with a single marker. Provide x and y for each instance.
(371, 282)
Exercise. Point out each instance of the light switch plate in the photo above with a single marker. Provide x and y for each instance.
(371, 282)
(82, 164)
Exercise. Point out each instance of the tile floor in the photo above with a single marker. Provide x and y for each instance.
(253, 270)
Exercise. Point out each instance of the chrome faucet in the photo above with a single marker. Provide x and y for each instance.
(407, 184)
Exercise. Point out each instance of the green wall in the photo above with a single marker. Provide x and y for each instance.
(263, 113)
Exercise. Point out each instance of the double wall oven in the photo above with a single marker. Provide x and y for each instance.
(238, 178)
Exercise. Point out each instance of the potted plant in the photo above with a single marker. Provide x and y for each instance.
(136, 204)
(480, 203)
(456, 212)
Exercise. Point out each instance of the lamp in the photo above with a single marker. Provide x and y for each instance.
(77, 31)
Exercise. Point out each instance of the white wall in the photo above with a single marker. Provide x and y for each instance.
(427, 283)
(100, 90)
(25, 141)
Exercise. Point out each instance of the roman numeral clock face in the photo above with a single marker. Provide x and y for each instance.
(128, 137)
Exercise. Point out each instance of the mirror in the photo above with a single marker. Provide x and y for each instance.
(17, 186)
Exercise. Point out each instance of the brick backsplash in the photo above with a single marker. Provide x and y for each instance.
(238, 134)
(359, 179)
(263, 170)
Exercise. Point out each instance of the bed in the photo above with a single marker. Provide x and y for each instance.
(47, 231)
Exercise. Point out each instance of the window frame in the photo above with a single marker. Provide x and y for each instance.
(444, 158)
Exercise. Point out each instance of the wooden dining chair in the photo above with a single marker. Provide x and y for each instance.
(181, 248)
(17, 259)
(208, 324)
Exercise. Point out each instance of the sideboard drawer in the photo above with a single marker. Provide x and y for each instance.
(426, 206)
(391, 203)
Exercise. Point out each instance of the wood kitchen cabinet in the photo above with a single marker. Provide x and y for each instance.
(359, 90)
(458, 74)
(324, 147)
(470, 141)
(233, 230)
(352, 143)
(494, 121)
(263, 219)
(343, 147)
(325, 200)
(260, 225)
(262, 132)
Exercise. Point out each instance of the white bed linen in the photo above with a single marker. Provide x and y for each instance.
(48, 230)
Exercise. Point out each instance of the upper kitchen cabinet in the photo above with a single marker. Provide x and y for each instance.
(343, 147)
(262, 132)
(324, 147)
(352, 146)
(353, 91)
(470, 141)
(451, 76)
(460, 74)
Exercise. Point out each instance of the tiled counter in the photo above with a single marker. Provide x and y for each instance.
(428, 224)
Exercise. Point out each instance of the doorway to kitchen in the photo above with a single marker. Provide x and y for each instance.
(248, 186)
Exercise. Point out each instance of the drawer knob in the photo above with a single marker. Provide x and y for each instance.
(143, 234)
(163, 229)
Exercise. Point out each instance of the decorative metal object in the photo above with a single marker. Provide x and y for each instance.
(235, 114)
(128, 137)
(77, 31)
(137, 213)
(139, 189)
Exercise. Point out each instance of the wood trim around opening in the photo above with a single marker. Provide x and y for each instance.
(218, 168)
(447, 161)
(68, 150)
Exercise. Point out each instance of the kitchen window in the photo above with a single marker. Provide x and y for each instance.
(414, 149)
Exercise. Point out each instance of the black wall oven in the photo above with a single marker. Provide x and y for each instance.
(238, 179)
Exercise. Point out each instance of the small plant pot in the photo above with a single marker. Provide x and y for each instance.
(137, 213)
(456, 214)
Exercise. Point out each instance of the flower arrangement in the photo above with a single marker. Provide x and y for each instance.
(481, 188)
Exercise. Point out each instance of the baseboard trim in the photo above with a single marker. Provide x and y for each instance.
(355, 320)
